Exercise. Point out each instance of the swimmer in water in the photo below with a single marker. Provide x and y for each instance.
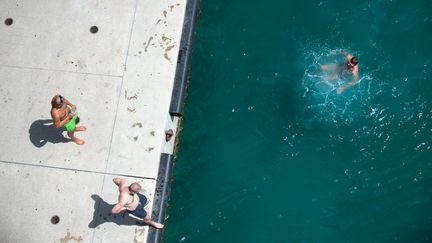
(350, 66)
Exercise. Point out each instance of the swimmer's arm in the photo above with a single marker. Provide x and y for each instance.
(352, 83)
(355, 75)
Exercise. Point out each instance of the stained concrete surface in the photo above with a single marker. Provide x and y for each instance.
(121, 80)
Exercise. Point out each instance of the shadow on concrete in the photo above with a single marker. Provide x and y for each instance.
(102, 214)
(43, 131)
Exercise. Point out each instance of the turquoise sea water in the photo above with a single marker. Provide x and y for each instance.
(270, 153)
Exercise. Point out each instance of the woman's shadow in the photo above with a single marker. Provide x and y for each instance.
(102, 214)
(43, 131)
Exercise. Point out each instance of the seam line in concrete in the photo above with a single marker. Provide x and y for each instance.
(121, 86)
(77, 170)
(115, 117)
(61, 71)
(130, 36)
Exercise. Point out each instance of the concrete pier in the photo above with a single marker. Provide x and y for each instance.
(117, 61)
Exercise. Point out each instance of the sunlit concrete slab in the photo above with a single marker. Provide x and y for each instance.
(56, 35)
(28, 135)
(121, 79)
(147, 88)
(32, 196)
(82, 201)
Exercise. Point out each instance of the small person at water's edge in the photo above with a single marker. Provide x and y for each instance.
(349, 66)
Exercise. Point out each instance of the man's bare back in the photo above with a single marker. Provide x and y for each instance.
(129, 199)
(126, 199)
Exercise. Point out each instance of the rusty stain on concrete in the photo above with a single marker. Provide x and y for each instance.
(135, 96)
(164, 38)
(149, 149)
(68, 237)
(138, 232)
(148, 43)
(137, 124)
(168, 49)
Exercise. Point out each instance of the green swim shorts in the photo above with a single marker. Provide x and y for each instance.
(70, 126)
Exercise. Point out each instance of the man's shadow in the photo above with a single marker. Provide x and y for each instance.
(43, 131)
(102, 214)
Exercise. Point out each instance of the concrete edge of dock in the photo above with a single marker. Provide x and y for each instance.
(163, 183)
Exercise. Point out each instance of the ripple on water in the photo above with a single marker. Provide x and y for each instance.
(323, 105)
